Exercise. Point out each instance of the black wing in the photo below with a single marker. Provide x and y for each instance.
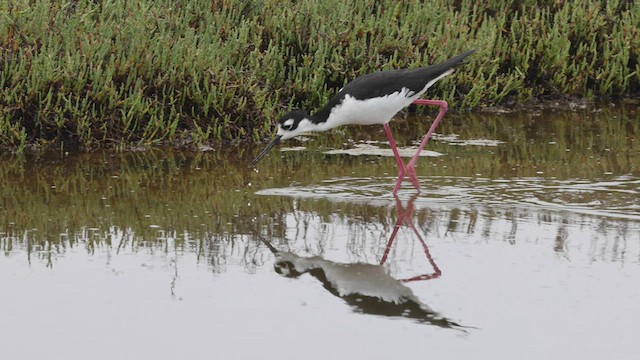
(387, 82)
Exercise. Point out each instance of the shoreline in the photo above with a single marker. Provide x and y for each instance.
(117, 72)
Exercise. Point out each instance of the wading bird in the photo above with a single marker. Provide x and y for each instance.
(373, 99)
(367, 288)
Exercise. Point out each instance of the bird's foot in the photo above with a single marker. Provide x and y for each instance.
(411, 171)
(401, 173)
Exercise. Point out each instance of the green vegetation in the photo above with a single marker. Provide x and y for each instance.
(112, 73)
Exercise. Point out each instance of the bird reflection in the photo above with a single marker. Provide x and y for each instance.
(368, 288)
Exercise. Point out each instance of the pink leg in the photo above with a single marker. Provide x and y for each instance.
(399, 222)
(394, 148)
(409, 169)
(443, 109)
(405, 216)
(436, 270)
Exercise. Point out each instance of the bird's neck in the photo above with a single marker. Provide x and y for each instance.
(323, 122)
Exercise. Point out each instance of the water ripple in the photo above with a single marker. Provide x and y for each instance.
(617, 197)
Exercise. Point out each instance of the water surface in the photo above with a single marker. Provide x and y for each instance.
(526, 235)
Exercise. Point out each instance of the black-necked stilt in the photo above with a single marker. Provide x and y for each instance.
(373, 99)
(367, 288)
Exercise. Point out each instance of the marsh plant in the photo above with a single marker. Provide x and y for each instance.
(116, 73)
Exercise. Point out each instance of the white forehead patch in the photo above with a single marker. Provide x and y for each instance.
(288, 122)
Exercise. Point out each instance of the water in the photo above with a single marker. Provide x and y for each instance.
(525, 239)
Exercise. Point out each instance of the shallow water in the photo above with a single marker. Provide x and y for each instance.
(525, 239)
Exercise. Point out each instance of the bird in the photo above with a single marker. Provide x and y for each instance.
(373, 99)
(367, 288)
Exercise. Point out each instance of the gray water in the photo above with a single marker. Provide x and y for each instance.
(525, 238)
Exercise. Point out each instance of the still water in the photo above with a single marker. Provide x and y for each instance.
(524, 243)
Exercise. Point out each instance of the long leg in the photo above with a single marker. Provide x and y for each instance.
(401, 219)
(443, 109)
(401, 166)
(394, 148)
(408, 220)
(409, 169)
(436, 269)
(405, 217)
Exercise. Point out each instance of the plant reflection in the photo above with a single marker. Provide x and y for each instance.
(573, 177)
(368, 288)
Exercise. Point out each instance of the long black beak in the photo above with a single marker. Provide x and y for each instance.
(264, 152)
(264, 241)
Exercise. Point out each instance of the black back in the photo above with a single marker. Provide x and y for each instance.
(387, 82)
(408, 308)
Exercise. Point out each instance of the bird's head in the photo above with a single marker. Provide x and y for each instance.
(286, 269)
(290, 265)
(290, 125)
(293, 124)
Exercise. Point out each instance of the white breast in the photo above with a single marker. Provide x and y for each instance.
(370, 111)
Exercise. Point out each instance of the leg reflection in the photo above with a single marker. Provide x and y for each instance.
(405, 217)
(367, 288)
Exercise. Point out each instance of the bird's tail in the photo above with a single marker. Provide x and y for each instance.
(451, 63)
